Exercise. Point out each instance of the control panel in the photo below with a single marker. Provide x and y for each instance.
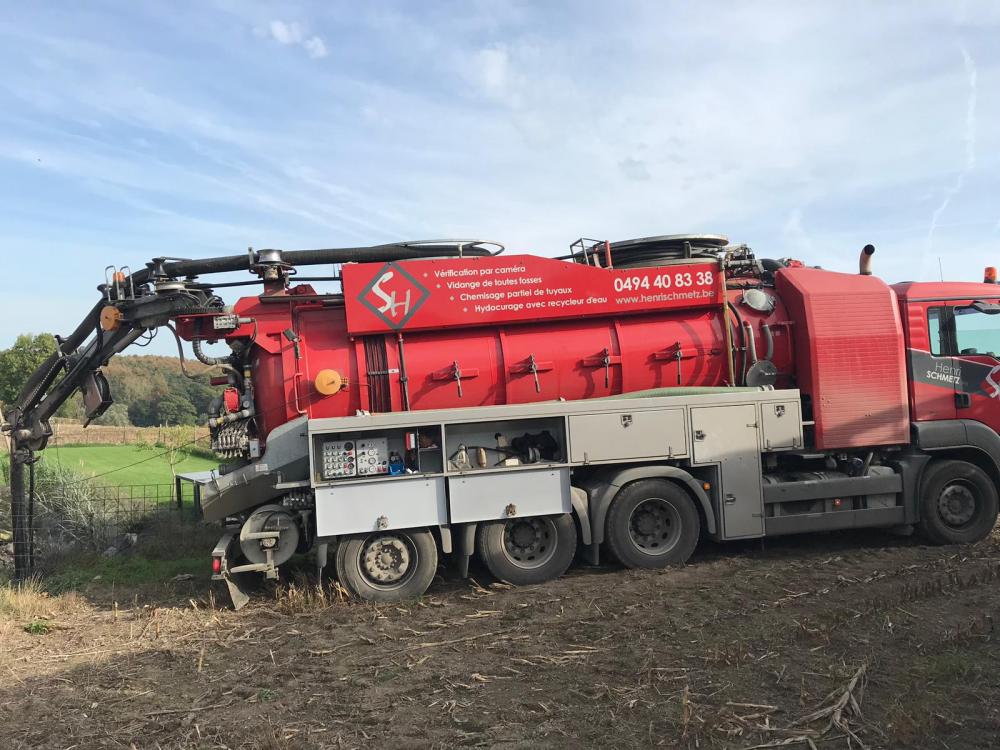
(373, 456)
(354, 458)
(339, 459)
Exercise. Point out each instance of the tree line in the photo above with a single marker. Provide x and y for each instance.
(148, 390)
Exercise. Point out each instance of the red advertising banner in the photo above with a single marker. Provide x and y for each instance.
(421, 294)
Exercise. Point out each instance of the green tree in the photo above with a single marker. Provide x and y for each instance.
(21, 360)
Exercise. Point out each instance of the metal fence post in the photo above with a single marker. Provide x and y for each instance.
(179, 489)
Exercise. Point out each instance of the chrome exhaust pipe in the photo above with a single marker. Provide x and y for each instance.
(865, 262)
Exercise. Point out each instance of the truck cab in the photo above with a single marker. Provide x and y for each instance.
(952, 335)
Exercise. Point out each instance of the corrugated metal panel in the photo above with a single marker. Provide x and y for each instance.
(850, 356)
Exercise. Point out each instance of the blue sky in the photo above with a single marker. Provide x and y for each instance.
(130, 130)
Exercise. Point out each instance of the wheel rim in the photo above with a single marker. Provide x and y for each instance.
(957, 504)
(529, 542)
(654, 526)
(387, 561)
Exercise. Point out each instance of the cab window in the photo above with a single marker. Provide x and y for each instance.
(976, 332)
(937, 332)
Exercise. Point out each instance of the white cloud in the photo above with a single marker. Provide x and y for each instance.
(968, 138)
(493, 67)
(292, 33)
(286, 33)
(315, 47)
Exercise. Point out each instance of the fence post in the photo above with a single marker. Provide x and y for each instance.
(197, 500)
(19, 513)
(179, 489)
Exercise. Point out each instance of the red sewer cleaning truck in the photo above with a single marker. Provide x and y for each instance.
(631, 396)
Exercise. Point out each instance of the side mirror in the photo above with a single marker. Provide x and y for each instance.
(987, 308)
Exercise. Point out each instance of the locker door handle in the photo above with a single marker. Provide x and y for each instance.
(963, 400)
(730, 499)
(699, 434)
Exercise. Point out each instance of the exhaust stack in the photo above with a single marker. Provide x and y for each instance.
(865, 262)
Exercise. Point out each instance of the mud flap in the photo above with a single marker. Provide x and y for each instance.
(236, 594)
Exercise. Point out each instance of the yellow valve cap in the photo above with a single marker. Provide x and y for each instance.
(328, 382)
(111, 319)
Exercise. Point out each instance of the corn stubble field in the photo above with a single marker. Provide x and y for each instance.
(847, 640)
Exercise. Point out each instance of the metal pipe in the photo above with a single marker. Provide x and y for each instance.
(726, 306)
(403, 379)
(751, 342)
(865, 261)
(743, 342)
(765, 331)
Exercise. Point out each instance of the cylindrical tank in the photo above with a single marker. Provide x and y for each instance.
(573, 359)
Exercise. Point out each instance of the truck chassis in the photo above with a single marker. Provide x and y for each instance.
(646, 477)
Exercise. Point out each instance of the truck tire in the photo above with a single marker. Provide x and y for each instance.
(652, 523)
(525, 551)
(387, 566)
(958, 503)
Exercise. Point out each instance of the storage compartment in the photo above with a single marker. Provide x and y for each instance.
(782, 425)
(626, 435)
(506, 494)
(376, 505)
(474, 446)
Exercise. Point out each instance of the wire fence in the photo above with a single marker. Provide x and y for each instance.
(67, 516)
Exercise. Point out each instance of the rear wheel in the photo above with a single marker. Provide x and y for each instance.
(958, 503)
(652, 523)
(387, 566)
(531, 550)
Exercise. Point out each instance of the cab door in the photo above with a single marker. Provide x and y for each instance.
(975, 331)
(931, 362)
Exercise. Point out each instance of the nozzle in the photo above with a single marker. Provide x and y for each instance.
(865, 262)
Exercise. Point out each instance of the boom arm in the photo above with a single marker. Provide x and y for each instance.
(134, 304)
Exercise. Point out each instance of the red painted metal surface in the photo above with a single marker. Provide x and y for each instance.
(837, 337)
(467, 292)
(850, 358)
(605, 348)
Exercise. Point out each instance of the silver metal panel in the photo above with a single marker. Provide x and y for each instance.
(544, 409)
(728, 436)
(627, 434)
(531, 492)
(781, 425)
(403, 503)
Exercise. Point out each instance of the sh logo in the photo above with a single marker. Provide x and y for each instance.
(394, 295)
(389, 303)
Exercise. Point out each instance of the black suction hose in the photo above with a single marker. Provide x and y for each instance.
(181, 268)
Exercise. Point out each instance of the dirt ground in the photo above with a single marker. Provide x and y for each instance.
(844, 640)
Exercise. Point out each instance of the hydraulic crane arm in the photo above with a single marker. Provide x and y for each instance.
(135, 303)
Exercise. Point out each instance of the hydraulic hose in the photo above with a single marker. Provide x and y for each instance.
(397, 251)
(199, 353)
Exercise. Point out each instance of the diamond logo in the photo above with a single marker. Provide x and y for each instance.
(394, 295)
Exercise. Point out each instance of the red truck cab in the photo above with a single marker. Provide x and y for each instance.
(952, 334)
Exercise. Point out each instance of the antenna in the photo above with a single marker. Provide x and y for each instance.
(940, 270)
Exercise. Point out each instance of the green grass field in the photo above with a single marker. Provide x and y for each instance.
(109, 460)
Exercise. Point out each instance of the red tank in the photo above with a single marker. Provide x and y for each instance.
(428, 334)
